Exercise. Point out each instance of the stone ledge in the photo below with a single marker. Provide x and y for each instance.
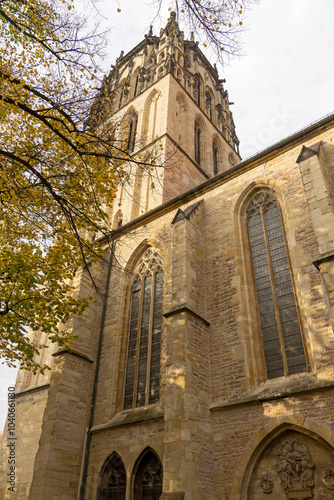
(323, 258)
(185, 308)
(74, 353)
(267, 395)
(172, 495)
(37, 388)
(129, 417)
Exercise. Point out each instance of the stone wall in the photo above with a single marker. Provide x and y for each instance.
(215, 400)
(219, 424)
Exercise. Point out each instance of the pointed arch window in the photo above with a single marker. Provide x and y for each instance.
(121, 96)
(215, 157)
(208, 102)
(136, 90)
(112, 479)
(197, 143)
(143, 359)
(132, 133)
(148, 478)
(197, 90)
(281, 335)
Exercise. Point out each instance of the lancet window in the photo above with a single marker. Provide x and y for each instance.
(132, 133)
(281, 334)
(148, 478)
(136, 89)
(197, 143)
(143, 357)
(197, 90)
(215, 158)
(113, 479)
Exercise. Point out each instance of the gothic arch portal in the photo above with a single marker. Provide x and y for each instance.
(290, 461)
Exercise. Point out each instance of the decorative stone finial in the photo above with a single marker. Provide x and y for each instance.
(120, 57)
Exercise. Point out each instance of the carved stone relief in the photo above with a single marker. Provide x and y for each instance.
(328, 477)
(266, 482)
(294, 466)
(295, 469)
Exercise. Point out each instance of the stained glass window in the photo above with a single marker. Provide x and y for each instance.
(143, 358)
(281, 336)
(113, 480)
(148, 478)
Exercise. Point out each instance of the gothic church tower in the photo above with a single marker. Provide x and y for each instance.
(169, 108)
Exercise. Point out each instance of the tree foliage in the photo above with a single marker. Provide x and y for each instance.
(216, 24)
(56, 175)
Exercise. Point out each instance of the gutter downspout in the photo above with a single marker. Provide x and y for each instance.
(96, 377)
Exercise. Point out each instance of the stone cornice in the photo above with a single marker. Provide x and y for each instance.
(185, 308)
(130, 417)
(30, 390)
(323, 258)
(74, 353)
(271, 395)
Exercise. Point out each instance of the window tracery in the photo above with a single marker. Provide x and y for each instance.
(143, 358)
(148, 478)
(277, 311)
(113, 479)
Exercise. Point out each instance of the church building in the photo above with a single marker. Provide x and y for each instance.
(205, 370)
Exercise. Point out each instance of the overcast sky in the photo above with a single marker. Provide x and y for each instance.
(282, 84)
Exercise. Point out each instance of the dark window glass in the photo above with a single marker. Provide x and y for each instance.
(215, 158)
(132, 133)
(136, 86)
(281, 336)
(197, 90)
(197, 143)
(113, 480)
(148, 478)
(143, 360)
